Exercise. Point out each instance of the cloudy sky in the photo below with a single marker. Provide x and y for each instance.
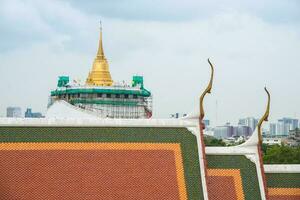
(251, 43)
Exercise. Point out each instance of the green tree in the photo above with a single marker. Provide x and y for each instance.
(276, 154)
(212, 141)
(264, 148)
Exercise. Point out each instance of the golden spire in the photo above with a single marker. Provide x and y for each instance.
(100, 46)
(100, 75)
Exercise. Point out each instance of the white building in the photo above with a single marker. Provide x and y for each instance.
(223, 132)
(284, 125)
(244, 130)
(272, 141)
(249, 121)
(13, 112)
(272, 128)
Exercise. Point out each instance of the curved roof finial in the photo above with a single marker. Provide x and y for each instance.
(207, 90)
(264, 117)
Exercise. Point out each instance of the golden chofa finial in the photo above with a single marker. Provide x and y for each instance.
(264, 117)
(207, 90)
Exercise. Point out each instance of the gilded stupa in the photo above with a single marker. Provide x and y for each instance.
(101, 95)
(100, 75)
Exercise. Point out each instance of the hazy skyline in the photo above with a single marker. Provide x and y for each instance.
(251, 44)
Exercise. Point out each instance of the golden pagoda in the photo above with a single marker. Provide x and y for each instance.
(100, 75)
(98, 96)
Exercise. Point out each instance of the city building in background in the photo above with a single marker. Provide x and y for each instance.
(272, 141)
(206, 123)
(272, 129)
(294, 138)
(249, 121)
(244, 131)
(283, 126)
(14, 112)
(225, 131)
(286, 131)
(30, 114)
(102, 96)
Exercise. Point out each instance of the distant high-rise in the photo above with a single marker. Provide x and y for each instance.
(30, 114)
(295, 124)
(284, 125)
(273, 129)
(244, 130)
(226, 131)
(13, 112)
(281, 128)
(206, 122)
(249, 121)
(223, 131)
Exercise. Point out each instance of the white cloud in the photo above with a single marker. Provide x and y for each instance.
(248, 53)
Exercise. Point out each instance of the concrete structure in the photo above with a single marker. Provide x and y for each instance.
(226, 131)
(30, 114)
(272, 141)
(234, 140)
(272, 129)
(14, 112)
(223, 131)
(294, 138)
(249, 121)
(244, 131)
(284, 125)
